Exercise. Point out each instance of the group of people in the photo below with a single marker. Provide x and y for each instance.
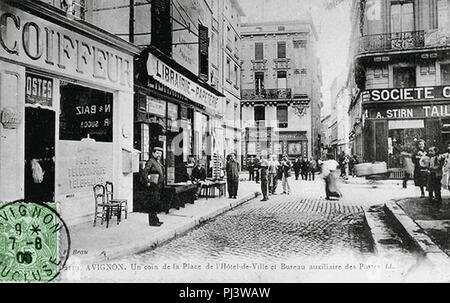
(431, 170)
(305, 168)
(272, 171)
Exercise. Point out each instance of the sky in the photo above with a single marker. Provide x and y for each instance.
(333, 27)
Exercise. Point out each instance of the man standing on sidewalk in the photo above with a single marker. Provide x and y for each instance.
(264, 179)
(286, 175)
(232, 170)
(251, 169)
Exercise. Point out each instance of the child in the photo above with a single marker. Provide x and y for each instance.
(435, 175)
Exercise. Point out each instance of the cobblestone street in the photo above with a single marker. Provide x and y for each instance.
(302, 227)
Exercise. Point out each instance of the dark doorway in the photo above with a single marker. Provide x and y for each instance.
(39, 155)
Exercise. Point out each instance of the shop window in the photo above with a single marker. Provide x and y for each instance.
(402, 17)
(282, 116)
(85, 112)
(282, 79)
(259, 51)
(404, 77)
(259, 83)
(281, 50)
(445, 74)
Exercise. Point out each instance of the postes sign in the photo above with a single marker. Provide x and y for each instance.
(427, 93)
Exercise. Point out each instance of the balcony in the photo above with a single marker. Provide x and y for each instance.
(75, 8)
(259, 65)
(281, 63)
(251, 94)
(392, 42)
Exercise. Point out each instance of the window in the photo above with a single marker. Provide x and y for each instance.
(282, 79)
(236, 75)
(404, 77)
(281, 28)
(259, 51)
(260, 113)
(259, 83)
(445, 74)
(228, 70)
(282, 116)
(281, 50)
(402, 17)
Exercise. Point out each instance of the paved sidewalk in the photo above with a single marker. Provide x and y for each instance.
(97, 244)
(425, 225)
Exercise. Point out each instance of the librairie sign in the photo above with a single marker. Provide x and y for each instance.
(33, 41)
(407, 94)
(181, 84)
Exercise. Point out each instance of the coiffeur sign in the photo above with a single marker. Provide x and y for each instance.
(407, 94)
(37, 42)
(181, 84)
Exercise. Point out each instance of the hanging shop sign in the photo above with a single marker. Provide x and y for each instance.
(429, 111)
(39, 43)
(39, 90)
(10, 118)
(174, 80)
(156, 107)
(407, 94)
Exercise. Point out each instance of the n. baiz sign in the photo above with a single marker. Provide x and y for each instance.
(407, 94)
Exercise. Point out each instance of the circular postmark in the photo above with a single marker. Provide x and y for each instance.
(34, 242)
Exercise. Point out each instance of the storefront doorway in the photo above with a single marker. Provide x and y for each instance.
(39, 154)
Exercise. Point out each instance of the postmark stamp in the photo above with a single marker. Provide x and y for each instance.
(34, 242)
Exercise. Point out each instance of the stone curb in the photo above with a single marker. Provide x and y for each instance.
(136, 248)
(371, 226)
(415, 236)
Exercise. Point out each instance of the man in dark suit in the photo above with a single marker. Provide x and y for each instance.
(232, 170)
(152, 177)
(251, 169)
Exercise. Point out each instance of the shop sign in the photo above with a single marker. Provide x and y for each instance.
(39, 90)
(174, 80)
(156, 107)
(172, 111)
(39, 43)
(407, 94)
(429, 111)
(9, 118)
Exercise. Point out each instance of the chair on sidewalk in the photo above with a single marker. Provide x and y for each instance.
(104, 210)
(110, 199)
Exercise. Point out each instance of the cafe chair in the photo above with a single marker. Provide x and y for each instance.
(103, 209)
(110, 199)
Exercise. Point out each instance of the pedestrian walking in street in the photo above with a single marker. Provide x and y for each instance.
(232, 171)
(420, 160)
(329, 174)
(251, 169)
(304, 168)
(435, 175)
(297, 167)
(408, 167)
(312, 167)
(286, 166)
(353, 161)
(198, 176)
(273, 175)
(151, 185)
(264, 179)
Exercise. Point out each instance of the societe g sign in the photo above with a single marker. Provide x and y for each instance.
(407, 94)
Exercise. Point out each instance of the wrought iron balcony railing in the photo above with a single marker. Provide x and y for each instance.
(251, 94)
(392, 41)
(75, 8)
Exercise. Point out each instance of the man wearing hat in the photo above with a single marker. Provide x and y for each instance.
(264, 165)
(153, 177)
(232, 170)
